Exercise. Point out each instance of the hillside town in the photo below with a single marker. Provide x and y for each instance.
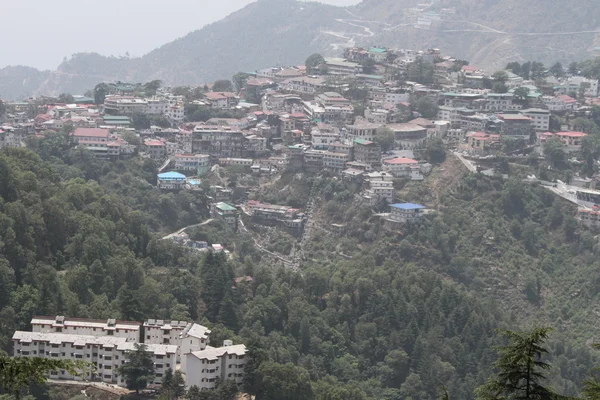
(373, 117)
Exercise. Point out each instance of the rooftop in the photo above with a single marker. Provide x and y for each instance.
(225, 207)
(172, 175)
(400, 160)
(407, 206)
(91, 132)
(213, 353)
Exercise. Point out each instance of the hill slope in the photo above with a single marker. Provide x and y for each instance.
(489, 33)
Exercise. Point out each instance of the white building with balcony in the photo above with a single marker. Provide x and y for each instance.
(206, 367)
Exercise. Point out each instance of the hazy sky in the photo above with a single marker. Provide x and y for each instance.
(39, 33)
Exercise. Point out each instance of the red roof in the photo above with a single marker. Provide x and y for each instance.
(401, 160)
(566, 98)
(571, 134)
(469, 68)
(91, 132)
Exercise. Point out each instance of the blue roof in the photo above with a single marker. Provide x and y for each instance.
(171, 175)
(407, 206)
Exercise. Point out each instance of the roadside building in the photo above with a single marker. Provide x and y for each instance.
(227, 213)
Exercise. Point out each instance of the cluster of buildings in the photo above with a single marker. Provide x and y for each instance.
(174, 345)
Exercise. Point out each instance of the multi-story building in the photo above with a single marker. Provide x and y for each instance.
(339, 66)
(406, 212)
(105, 344)
(361, 130)
(187, 336)
(94, 140)
(155, 149)
(125, 105)
(303, 85)
(402, 167)
(106, 353)
(322, 140)
(379, 189)
(192, 162)
(207, 367)
(217, 141)
(171, 181)
(409, 136)
(330, 108)
(540, 118)
(482, 142)
(515, 126)
(335, 162)
(313, 160)
(227, 213)
(222, 99)
(80, 326)
(367, 152)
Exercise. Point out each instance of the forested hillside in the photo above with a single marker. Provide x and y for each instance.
(411, 312)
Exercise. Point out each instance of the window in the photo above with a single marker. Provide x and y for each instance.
(107, 367)
(147, 337)
(110, 333)
(58, 329)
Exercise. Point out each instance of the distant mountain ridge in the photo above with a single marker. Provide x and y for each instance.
(489, 33)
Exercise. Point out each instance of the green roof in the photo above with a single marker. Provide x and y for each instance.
(377, 50)
(363, 142)
(225, 207)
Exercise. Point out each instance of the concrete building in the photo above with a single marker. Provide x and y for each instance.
(378, 190)
(339, 66)
(129, 330)
(322, 140)
(222, 100)
(361, 130)
(206, 367)
(200, 163)
(515, 126)
(540, 118)
(335, 162)
(409, 136)
(171, 181)
(589, 218)
(406, 212)
(125, 105)
(367, 152)
(155, 149)
(106, 353)
(402, 167)
(226, 212)
(105, 344)
(217, 141)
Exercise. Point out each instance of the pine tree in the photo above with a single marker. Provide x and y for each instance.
(520, 369)
(178, 385)
(167, 383)
(139, 369)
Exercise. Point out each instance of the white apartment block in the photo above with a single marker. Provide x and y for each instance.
(106, 343)
(379, 189)
(335, 161)
(106, 353)
(210, 365)
(187, 336)
(79, 326)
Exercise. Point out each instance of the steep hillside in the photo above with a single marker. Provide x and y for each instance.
(492, 32)
(489, 33)
(19, 81)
